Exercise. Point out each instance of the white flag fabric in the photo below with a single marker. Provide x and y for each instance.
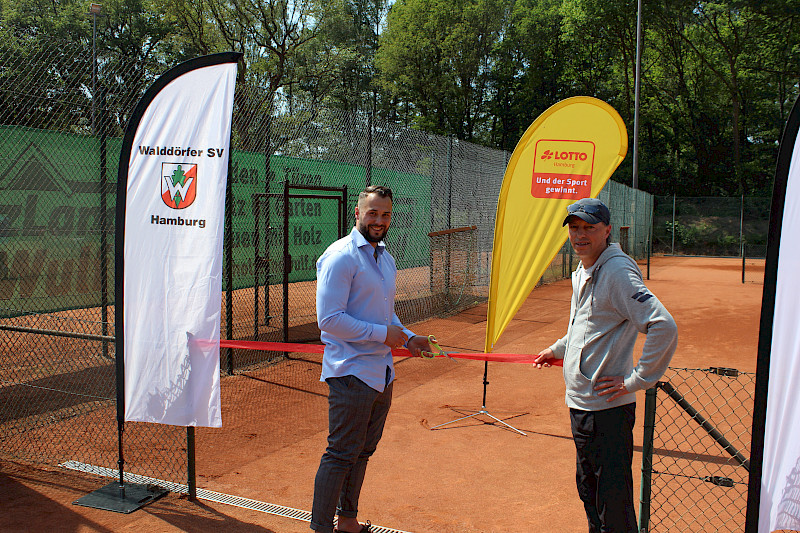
(779, 507)
(773, 499)
(177, 170)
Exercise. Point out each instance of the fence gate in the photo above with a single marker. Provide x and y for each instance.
(696, 451)
(292, 229)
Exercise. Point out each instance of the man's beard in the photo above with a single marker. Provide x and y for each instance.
(364, 230)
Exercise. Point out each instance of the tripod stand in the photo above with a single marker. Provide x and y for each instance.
(483, 410)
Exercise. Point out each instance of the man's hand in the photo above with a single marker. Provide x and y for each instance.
(542, 357)
(613, 385)
(395, 337)
(418, 343)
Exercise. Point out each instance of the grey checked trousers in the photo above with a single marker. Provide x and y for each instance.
(356, 417)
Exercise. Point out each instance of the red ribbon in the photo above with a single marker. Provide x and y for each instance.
(400, 352)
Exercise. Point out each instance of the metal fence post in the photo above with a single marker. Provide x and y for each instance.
(103, 218)
(741, 224)
(673, 224)
(287, 261)
(741, 235)
(228, 244)
(647, 458)
(449, 212)
(343, 214)
(449, 180)
(744, 261)
(269, 173)
(650, 232)
(368, 164)
(191, 472)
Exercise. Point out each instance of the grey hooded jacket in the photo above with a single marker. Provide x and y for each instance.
(606, 316)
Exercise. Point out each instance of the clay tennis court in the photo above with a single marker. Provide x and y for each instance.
(470, 476)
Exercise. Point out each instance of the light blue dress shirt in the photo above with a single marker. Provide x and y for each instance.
(355, 304)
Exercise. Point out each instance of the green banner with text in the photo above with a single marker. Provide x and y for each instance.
(51, 215)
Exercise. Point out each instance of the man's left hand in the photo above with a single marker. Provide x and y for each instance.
(613, 385)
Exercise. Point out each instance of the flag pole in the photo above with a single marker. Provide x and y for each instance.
(636, 95)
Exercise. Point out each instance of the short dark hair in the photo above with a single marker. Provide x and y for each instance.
(380, 190)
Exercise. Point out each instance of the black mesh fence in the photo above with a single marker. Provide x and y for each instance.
(295, 174)
(59, 150)
(631, 217)
(455, 265)
(696, 451)
(59, 400)
(725, 227)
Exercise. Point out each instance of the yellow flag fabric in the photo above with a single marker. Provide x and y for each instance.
(568, 153)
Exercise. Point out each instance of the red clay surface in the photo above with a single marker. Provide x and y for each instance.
(471, 476)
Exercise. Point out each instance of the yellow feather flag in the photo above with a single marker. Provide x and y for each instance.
(568, 153)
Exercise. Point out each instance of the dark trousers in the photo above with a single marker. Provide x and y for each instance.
(356, 416)
(604, 446)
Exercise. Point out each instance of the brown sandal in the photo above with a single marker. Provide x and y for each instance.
(365, 528)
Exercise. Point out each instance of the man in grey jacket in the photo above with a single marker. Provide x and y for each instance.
(610, 307)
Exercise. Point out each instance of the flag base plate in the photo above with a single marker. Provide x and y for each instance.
(121, 498)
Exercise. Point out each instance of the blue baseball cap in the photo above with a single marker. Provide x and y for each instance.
(590, 210)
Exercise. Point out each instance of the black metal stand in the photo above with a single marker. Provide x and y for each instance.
(119, 496)
(483, 410)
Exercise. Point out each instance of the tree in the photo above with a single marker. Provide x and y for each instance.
(528, 68)
(600, 45)
(354, 28)
(435, 55)
(718, 78)
(722, 39)
(47, 41)
(775, 80)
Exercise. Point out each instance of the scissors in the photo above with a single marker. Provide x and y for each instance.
(435, 350)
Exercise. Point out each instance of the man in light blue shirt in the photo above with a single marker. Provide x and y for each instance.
(355, 312)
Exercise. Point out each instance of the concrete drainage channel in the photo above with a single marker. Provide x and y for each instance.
(208, 495)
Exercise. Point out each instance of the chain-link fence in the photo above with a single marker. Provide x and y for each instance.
(59, 150)
(631, 217)
(753, 263)
(726, 227)
(696, 450)
(295, 173)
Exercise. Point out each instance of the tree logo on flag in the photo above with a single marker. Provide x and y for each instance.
(178, 184)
